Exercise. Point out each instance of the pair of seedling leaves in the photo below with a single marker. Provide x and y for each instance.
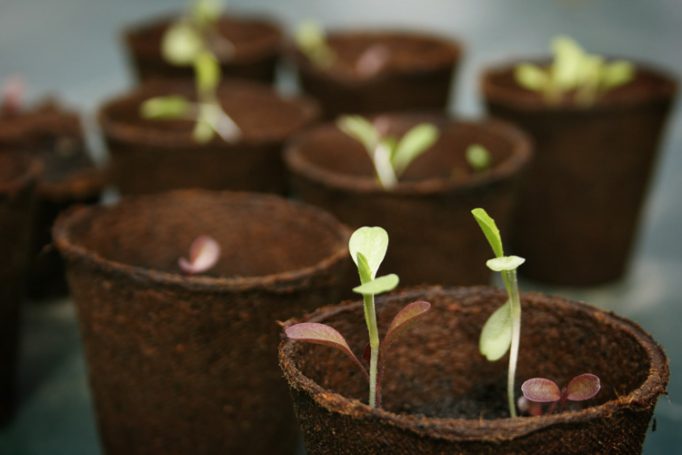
(193, 41)
(391, 156)
(574, 71)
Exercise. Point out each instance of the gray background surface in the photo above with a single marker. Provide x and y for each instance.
(72, 48)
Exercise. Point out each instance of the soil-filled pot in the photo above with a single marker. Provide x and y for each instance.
(441, 396)
(590, 174)
(415, 72)
(434, 238)
(18, 175)
(257, 43)
(54, 136)
(188, 364)
(150, 156)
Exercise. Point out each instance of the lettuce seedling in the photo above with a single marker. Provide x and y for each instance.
(312, 42)
(390, 156)
(478, 157)
(575, 71)
(185, 44)
(367, 247)
(502, 330)
(12, 100)
(539, 391)
(204, 253)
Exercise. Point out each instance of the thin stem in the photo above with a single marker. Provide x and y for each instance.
(371, 319)
(510, 283)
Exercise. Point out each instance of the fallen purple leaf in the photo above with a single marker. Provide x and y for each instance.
(541, 390)
(583, 387)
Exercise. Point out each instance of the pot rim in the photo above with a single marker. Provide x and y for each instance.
(276, 282)
(519, 159)
(31, 173)
(495, 430)
(125, 132)
(519, 97)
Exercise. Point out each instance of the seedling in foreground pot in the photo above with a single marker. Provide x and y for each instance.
(540, 391)
(390, 156)
(478, 157)
(574, 71)
(502, 330)
(367, 247)
(204, 253)
(184, 44)
(12, 99)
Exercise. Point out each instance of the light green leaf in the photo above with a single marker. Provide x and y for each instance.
(617, 73)
(181, 44)
(490, 230)
(378, 285)
(206, 12)
(478, 157)
(203, 131)
(360, 129)
(415, 142)
(505, 263)
(496, 335)
(531, 77)
(381, 158)
(569, 61)
(166, 107)
(311, 40)
(207, 71)
(372, 242)
(364, 270)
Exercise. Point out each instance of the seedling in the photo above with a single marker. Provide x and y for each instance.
(390, 156)
(12, 99)
(185, 43)
(204, 253)
(540, 391)
(575, 71)
(367, 247)
(478, 158)
(502, 330)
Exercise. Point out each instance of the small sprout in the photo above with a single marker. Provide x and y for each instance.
(540, 390)
(311, 41)
(367, 247)
(575, 71)
(203, 255)
(181, 44)
(390, 156)
(372, 60)
(502, 330)
(12, 99)
(166, 107)
(478, 157)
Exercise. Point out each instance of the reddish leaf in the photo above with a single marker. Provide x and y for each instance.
(372, 60)
(12, 95)
(541, 390)
(316, 333)
(203, 254)
(405, 318)
(583, 387)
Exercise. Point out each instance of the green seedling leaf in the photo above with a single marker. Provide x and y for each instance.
(616, 74)
(206, 12)
(361, 130)
(364, 270)
(541, 390)
(496, 335)
(166, 107)
(203, 131)
(531, 77)
(311, 40)
(404, 319)
(207, 70)
(415, 142)
(505, 263)
(372, 242)
(378, 285)
(583, 387)
(569, 62)
(313, 332)
(490, 230)
(181, 44)
(478, 157)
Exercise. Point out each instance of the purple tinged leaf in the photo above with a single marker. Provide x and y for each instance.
(583, 387)
(372, 60)
(541, 390)
(12, 95)
(316, 333)
(203, 254)
(405, 318)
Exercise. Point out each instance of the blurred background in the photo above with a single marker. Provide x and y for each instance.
(72, 49)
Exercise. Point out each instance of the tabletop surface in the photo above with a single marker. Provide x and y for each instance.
(72, 48)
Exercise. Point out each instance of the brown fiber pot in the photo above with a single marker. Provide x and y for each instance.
(150, 156)
(417, 76)
(18, 176)
(590, 175)
(53, 135)
(441, 396)
(434, 238)
(257, 44)
(181, 364)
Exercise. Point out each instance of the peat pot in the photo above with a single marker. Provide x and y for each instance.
(188, 364)
(434, 238)
(590, 175)
(441, 395)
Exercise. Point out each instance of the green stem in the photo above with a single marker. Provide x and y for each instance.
(511, 285)
(371, 319)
